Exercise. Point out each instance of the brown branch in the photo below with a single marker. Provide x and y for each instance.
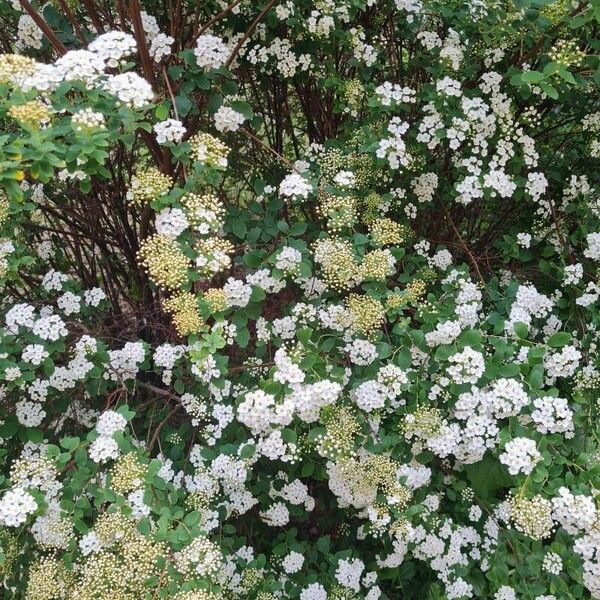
(160, 426)
(250, 31)
(464, 246)
(140, 37)
(73, 20)
(39, 21)
(91, 11)
(214, 19)
(284, 160)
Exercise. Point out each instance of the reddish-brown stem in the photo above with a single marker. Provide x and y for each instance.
(37, 19)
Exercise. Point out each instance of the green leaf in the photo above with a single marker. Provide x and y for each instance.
(162, 111)
(567, 76)
(487, 476)
(242, 337)
(192, 518)
(532, 76)
(559, 339)
(298, 229)
(242, 107)
(521, 330)
(238, 227)
(70, 443)
(550, 90)
(184, 104)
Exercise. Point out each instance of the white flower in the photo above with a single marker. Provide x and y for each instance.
(160, 47)
(468, 366)
(348, 573)
(110, 422)
(171, 222)
(130, 89)
(524, 240)
(315, 591)
(293, 562)
(370, 395)
(520, 456)
(288, 259)
(295, 186)
(29, 414)
(593, 249)
(15, 506)
(211, 52)
(228, 119)
(237, 292)
(170, 130)
(345, 179)
(113, 47)
(103, 448)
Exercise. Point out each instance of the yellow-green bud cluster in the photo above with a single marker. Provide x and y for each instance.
(377, 265)
(386, 232)
(354, 93)
(128, 474)
(370, 207)
(34, 468)
(556, 11)
(49, 579)
(87, 120)
(196, 595)
(424, 423)
(9, 547)
(112, 528)
(4, 209)
(102, 575)
(204, 212)
(362, 167)
(338, 211)
(213, 255)
(209, 150)
(367, 313)
(216, 300)
(34, 113)
(532, 517)
(148, 184)
(341, 427)
(331, 161)
(198, 500)
(340, 269)
(567, 54)
(183, 309)
(394, 301)
(164, 261)
(251, 578)
(382, 471)
(587, 380)
(16, 67)
(415, 289)
(427, 275)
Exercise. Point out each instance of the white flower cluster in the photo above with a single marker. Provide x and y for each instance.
(130, 89)
(169, 131)
(228, 119)
(520, 456)
(392, 93)
(211, 52)
(104, 447)
(295, 186)
(15, 506)
(171, 222)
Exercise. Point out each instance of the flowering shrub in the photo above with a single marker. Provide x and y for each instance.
(300, 300)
